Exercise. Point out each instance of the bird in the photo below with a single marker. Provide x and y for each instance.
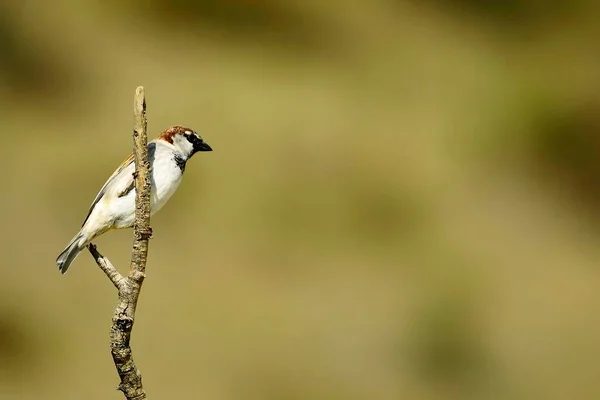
(114, 205)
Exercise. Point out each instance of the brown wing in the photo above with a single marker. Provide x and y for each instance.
(128, 161)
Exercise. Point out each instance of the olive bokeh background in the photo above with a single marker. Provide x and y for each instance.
(402, 201)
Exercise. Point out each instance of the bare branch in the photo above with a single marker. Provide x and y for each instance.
(106, 266)
(124, 316)
(129, 287)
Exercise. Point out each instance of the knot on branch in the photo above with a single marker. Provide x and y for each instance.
(144, 234)
(125, 389)
(124, 324)
(137, 276)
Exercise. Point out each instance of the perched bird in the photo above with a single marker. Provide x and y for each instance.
(114, 206)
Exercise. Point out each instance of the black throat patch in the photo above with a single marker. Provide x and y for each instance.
(180, 161)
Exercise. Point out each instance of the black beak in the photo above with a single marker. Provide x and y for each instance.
(202, 146)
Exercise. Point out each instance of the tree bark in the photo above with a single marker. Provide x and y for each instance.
(129, 287)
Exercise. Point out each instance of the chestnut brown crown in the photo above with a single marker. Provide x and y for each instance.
(167, 134)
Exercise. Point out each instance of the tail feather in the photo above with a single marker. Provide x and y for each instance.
(70, 253)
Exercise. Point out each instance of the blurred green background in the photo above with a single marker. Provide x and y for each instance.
(403, 201)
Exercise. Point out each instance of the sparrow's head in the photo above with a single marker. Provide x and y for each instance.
(186, 141)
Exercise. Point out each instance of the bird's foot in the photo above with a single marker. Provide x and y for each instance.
(147, 234)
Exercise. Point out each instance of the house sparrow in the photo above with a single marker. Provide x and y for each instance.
(114, 206)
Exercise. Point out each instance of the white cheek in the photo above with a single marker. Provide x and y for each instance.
(183, 145)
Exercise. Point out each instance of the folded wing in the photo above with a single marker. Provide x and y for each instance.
(121, 183)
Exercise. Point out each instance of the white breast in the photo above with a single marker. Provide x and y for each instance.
(165, 176)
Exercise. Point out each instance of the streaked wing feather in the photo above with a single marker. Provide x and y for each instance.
(128, 161)
(127, 189)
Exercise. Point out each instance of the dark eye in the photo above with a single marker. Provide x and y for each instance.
(191, 137)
